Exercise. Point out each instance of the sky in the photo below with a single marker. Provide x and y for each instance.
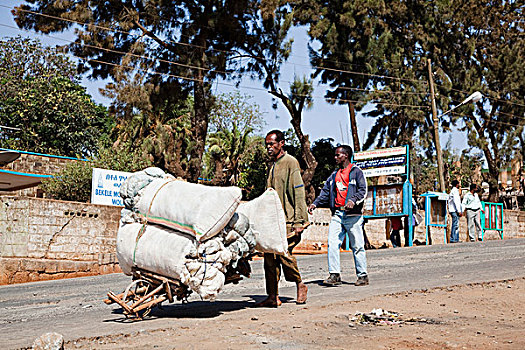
(323, 120)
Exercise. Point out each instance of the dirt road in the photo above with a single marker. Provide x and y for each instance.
(444, 288)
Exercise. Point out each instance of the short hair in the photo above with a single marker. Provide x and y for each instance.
(455, 183)
(347, 150)
(473, 186)
(279, 135)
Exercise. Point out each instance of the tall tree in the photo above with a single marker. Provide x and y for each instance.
(474, 45)
(267, 46)
(172, 43)
(347, 36)
(40, 96)
(480, 46)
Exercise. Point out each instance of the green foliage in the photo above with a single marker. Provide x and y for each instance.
(324, 152)
(252, 179)
(172, 49)
(234, 118)
(73, 183)
(40, 97)
(164, 137)
(376, 52)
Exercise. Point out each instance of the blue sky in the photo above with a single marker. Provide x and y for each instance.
(323, 120)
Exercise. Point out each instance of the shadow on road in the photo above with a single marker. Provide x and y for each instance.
(196, 309)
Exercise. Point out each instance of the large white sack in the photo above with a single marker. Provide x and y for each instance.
(199, 210)
(266, 216)
(158, 250)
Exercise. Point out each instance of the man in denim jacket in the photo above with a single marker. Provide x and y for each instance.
(344, 192)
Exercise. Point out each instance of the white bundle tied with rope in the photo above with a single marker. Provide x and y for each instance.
(198, 255)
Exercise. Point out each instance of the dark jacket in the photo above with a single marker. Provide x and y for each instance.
(357, 190)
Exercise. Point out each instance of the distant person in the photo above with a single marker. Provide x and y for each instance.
(344, 192)
(454, 208)
(471, 207)
(395, 235)
(284, 176)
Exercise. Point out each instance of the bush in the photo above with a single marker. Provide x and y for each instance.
(73, 183)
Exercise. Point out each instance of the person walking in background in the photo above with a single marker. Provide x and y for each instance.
(284, 176)
(454, 208)
(344, 192)
(471, 207)
(395, 236)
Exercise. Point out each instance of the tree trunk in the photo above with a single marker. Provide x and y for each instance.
(199, 127)
(307, 155)
(219, 169)
(353, 125)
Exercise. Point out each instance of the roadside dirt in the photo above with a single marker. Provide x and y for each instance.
(487, 315)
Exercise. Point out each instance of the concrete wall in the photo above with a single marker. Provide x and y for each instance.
(43, 239)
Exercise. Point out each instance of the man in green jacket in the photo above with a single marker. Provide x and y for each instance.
(284, 176)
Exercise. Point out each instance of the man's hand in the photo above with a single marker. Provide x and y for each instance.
(311, 208)
(349, 205)
(298, 230)
(460, 213)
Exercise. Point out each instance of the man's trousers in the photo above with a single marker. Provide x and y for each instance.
(273, 264)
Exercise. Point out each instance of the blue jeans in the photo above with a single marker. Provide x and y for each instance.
(340, 224)
(454, 231)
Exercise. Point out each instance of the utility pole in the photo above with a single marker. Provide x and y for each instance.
(435, 123)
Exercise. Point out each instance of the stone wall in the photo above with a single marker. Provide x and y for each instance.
(44, 239)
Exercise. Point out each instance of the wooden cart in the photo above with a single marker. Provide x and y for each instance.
(149, 289)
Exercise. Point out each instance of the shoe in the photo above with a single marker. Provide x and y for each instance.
(333, 280)
(480, 239)
(302, 293)
(362, 281)
(270, 302)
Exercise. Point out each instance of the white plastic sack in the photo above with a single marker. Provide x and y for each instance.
(159, 250)
(266, 216)
(199, 210)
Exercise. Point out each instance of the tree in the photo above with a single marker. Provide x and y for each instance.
(233, 119)
(324, 152)
(163, 138)
(473, 46)
(40, 95)
(177, 46)
(349, 36)
(252, 179)
(266, 46)
(479, 47)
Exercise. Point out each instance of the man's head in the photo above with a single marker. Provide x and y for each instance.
(274, 143)
(455, 183)
(343, 155)
(473, 188)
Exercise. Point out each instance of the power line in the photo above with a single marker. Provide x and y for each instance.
(492, 120)
(216, 71)
(110, 29)
(234, 85)
(486, 96)
(194, 67)
(202, 47)
(119, 52)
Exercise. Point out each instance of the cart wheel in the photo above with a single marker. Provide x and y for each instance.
(138, 289)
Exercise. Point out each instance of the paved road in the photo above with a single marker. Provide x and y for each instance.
(74, 307)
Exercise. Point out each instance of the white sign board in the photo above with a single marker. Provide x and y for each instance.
(380, 153)
(384, 171)
(105, 186)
